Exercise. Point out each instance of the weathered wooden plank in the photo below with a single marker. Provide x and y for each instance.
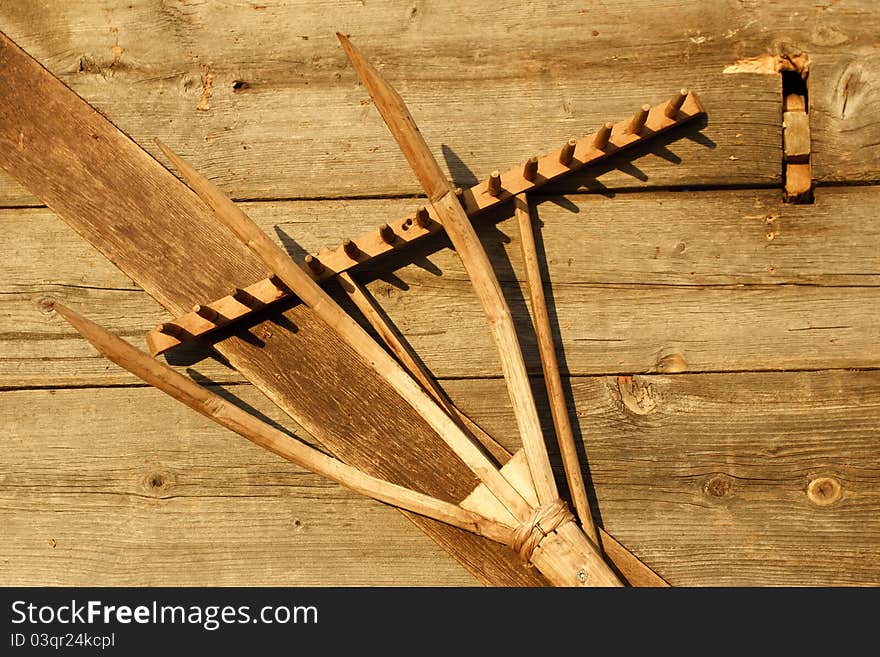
(158, 232)
(640, 283)
(603, 329)
(674, 238)
(703, 476)
(285, 118)
(280, 97)
(692, 238)
(695, 471)
(87, 503)
(844, 94)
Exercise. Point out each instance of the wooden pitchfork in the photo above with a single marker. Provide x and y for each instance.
(543, 533)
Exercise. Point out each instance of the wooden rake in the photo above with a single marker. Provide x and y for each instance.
(520, 504)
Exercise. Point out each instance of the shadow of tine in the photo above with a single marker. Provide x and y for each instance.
(294, 250)
(461, 175)
(225, 393)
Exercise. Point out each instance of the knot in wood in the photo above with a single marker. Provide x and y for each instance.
(545, 519)
(824, 491)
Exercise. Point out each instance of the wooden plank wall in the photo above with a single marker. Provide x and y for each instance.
(721, 347)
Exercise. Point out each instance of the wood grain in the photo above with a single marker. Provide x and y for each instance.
(704, 477)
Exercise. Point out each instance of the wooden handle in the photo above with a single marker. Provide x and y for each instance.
(552, 379)
(488, 291)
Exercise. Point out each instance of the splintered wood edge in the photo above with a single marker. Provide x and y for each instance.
(329, 262)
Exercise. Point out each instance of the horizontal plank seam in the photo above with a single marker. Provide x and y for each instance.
(534, 378)
(535, 195)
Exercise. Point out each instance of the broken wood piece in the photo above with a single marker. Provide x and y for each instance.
(797, 147)
(227, 414)
(798, 182)
(550, 366)
(796, 136)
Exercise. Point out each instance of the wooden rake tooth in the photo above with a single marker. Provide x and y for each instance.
(316, 266)
(530, 169)
(423, 219)
(600, 141)
(566, 154)
(172, 329)
(387, 234)
(351, 249)
(244, 297)
(206, 312)
(638, 121)
(236, 419)
(675, 103)
(276, 280)
(493, 185)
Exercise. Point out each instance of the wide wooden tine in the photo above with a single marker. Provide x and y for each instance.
(550, 365)
(314, 296)
(236, 419)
